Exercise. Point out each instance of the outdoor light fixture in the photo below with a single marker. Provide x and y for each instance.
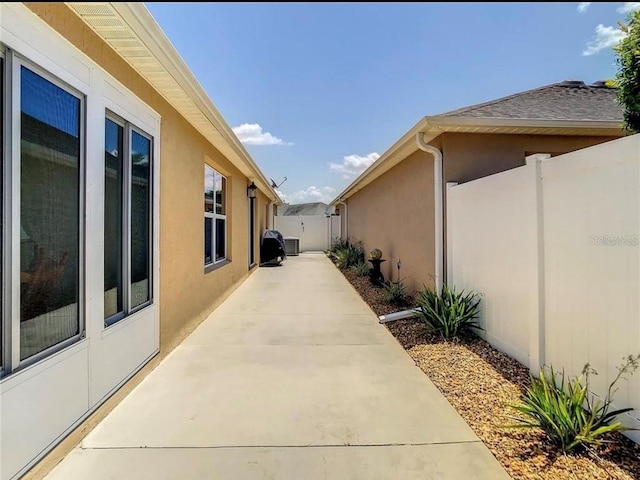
(251, 190)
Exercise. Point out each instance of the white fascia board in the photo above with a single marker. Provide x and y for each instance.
(519, 122)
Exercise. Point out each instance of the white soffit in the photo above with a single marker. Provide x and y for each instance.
(131, 31)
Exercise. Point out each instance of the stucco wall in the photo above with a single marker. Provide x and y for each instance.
(395, 212)
(262, 213)
(187, 294)
(468, 156)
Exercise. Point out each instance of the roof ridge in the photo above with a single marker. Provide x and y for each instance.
(471, 108)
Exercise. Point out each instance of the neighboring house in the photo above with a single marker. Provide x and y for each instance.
(399, 204)
(130, 210)
(316, 208)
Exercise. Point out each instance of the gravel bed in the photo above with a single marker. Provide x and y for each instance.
(480, 382)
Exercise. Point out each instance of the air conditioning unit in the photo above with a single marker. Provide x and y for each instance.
(292, 246)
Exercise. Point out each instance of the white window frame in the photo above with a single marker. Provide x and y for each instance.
(217, 216)
(4, 212)
(127, 136)
(10, 322)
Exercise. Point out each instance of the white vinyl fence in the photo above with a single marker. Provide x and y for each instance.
(315, 232)
(553, 249)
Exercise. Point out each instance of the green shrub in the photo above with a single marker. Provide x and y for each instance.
(360, 269)
(346, 254)
(563, 408)
(449, 313)
(339, 244)
(395, 293)
(349, 256)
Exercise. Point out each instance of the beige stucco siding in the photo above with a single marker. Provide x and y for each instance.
(468, 156)
(262, 212)
(395, 214)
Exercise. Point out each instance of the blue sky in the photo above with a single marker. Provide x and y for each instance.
(317, 91)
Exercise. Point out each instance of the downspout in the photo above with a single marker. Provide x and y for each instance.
(438, 227)
(437, 197)
(346, 219)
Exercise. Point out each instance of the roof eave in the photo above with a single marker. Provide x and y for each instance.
(144, 27)
(384, 162)
(433, 126)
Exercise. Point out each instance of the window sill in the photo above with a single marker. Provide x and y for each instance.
(216, 266)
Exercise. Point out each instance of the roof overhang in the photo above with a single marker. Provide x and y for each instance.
(132, 32)
(434, 126)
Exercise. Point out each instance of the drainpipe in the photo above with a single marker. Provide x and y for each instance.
(437, 193)
(392, 317)
(438, 227)
(346, 219)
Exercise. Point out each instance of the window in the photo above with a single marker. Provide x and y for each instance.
(43, 195)
(2, 115)
(44, 251)
(215, 217)
(127, 219)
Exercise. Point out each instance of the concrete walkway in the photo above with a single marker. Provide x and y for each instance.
(290, 378)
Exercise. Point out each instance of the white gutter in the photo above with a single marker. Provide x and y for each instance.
(346, 219)
(437, 197)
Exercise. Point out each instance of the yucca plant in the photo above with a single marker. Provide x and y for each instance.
(449, 313)
(339, 244)
(395, 293)
(563, 408)
(349, 256)
(360, 269)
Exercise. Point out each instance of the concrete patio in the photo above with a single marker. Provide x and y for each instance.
(290, 378)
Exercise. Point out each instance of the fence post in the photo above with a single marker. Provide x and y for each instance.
(536, 329)
(448, 273)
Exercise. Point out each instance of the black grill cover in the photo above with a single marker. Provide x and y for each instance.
(272, 248)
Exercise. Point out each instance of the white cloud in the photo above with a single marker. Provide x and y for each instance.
(605, 37)
(353, 165)
(629, 7)
(583, 6)
(252, 134)
(309, 195)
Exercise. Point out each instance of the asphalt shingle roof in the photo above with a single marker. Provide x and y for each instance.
(569, 100)
(316, 208)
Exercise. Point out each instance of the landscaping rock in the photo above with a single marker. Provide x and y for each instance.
(481, 382)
